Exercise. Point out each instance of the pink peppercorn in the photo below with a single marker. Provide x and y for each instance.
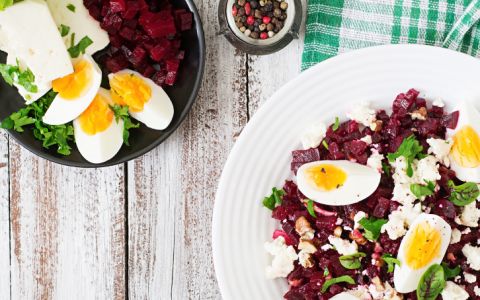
(266, 19)
(234, 10)
(250, 20)
(263, 35)
(248, 8)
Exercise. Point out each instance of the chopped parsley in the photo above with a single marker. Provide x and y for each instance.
(76, 50)
(391, 262)
(13, 74)
(372, 227)
(410, 149)
(71, 7)
(463, 194)
(420, 190)
(310, 208)
(64, 30)
(274, 199)
(59, 136)
(336, 124)
(121, 112)
(325, 144)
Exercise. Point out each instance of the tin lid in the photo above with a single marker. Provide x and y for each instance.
(258, 46)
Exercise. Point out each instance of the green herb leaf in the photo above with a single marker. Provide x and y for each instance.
(328, 283)
(121, 112)
(372, 227)
(410, 149)
(5, 3)
(64, 30)
(336, 124)
(450, 273)
(71, 7)
(80, 48)
(310, 208)
(13, 74)
(386, 168)
(420, 190)
(463, 194)
(324, 143)
(326, 272)
(274, 199)
(352, 261)
(431, 283)
(391, 262)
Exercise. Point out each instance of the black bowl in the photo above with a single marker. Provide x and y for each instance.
(142, 139)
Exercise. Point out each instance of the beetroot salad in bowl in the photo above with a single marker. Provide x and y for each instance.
(382, 205)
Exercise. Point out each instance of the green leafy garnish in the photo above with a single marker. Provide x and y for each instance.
(274, 199)
(121, 112)
(450, 273)
(326, 272)
(351, 261)
(464, 193)
(64, 30)
(310, 208)
(324, 143)
(71, 7)
(431, 283)
(6, 3)
(391, 262)
(372, 227)
(328, 283)
(420, 190)
(80, 48)
(410, 149)
(50, 135)
(386, 168)
(13, 74)
(336, 124)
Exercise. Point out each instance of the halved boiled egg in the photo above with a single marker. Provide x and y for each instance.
(146, 101)
(97, 134)
(75, 91)
(337, 182)
(465, 151)
(424, 244)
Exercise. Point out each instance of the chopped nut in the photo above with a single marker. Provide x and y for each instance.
(337, 231)
(378, 283)
(356, 236)
(376, 126)
(451, 256)
(307, 246)
(303, 228)
(419, 114)
(305, 259)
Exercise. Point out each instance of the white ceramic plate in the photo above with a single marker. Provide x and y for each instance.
(261, 157)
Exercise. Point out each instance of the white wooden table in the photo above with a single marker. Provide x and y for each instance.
(141, 230)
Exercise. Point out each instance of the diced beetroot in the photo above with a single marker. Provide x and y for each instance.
(95, 12)
(172, 65)
(283, 234)
(159, 78)
(382, 207)
(132, 9)
(420, 102)
(181, 55)
(326, 222)
(160, 51)
(444, 208)
(148, 71)
(117, 6)
(111, 23)
(450, 121)
(116, 63)
(171, 78)
(138, 57)
(185, 21)
(115, 40)
(306, 156)
(428, 127)
(335, 151)
(127, 33)
(130, 23)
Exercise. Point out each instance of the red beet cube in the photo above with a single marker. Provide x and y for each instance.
(148, 71)
(127, 33)
(117, 6)
(133, 7)
(111, 23)
(115, 40)
(171, 78)
(116, 63)
(160, 51)
(159, 24)
(159, 78)
(172, 65)
(185, 21)
(95, 12)
(181, 55)
(138, 56)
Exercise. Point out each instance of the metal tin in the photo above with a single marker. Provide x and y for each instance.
(257, 46)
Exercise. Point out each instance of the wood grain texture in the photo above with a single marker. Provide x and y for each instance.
(172, 189)
(4, 219)
(67, 229)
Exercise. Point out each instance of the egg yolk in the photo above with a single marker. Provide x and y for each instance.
(131, 90)
(327, 177)
(466, 147)
(73, 85)
(97, 117)
(422, 246)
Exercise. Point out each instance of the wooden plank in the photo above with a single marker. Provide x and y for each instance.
(67, 229)
(4, 220)
(171, 190)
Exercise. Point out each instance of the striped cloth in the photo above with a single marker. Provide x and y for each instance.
(336, 26)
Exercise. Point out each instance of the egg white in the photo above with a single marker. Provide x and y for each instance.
(62, 110)
(468, 115)
(345, 296)
(101, 146)
(158, 112)
(361, 182)
(405, 278)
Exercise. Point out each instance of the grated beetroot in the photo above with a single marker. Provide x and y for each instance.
(145, 36)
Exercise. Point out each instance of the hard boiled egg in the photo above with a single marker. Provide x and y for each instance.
(424, 244)
(465, 151)
(75, 92)
(337, 182)
(345, 296)
(147, 102)
(97, 134)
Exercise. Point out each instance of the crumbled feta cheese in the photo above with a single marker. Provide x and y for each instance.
(418, 116)
(358, 216)
(375, 160)
(342, 246)
(400, 219)
(476, 290)
(441, 149)
(453, 291)
(363, 114)
(339, 221)
(347, 228)
(456, 236)
(470, 215)
(360, 293)
(283, 258)
(438, 102)
(466, 231)
(381, 291)
(470, 278)
(326, 247)
(314, 135)
(472, 254)
(427, 169)
(367, 139)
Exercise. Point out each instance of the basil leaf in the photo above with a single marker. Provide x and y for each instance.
(450, 273)
(274, 199)
(391, 262)
(328, 283)
(410, 149)
(310, 208)
(431, 283)
(352, 261)
(336, 124)
(420, 190)
(80, 48)
(372, 227)
(463, 194)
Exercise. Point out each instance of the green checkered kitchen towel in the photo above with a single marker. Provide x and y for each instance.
(336, 26)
